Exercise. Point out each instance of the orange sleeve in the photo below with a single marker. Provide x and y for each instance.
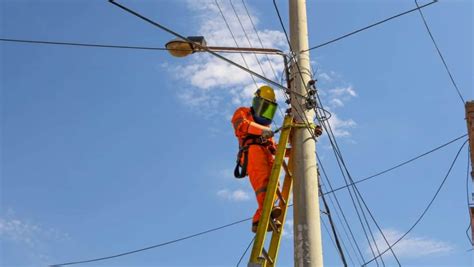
(243, 125)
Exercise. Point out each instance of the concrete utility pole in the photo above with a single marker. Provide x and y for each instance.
(307, 225)
(470, 131)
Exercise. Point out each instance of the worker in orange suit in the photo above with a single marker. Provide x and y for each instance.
(256, 146)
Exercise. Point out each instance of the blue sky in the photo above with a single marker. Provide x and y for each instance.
(109, 150)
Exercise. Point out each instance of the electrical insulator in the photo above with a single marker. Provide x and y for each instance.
(310, 103)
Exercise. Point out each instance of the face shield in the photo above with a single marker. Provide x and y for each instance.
(264, 108)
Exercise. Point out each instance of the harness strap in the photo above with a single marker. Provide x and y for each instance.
(240, 170)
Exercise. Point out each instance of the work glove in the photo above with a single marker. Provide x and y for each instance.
(267, 133)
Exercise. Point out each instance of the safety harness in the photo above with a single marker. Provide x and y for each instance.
(240, 170)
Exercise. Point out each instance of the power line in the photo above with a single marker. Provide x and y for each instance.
(203, 48)
(235, 41)
(83, 44)
(245, 252)
(340, 161)
(154, 246)
(398, 165)
(237, 45)
(338, 232)
(110, 46)
(338, 243)
(230, 224)
(320, 164)
(340, 156)
(300, 74)
(427, 207)
(258, 37)
(246, 36)
(439, 53)
(329, 234)
(369, 26)
(235, 64)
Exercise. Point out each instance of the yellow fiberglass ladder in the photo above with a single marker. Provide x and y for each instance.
(260, 256)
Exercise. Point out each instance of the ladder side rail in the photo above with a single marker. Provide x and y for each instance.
(270, 194)
(276, 237)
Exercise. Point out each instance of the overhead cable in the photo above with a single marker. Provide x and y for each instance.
(246, 35)
(320, 164)
(113, 46)
(83, 44)
(203, 48)
(259, 39)
(369, 26)
(333, 229)
(235, 42)
(245, 252)
(298, 68)
(227, 225)
(398, 165)
(342, 165)
(439, 53)
(154, 246)
(426, 209)
(323, 122)
(348, 253)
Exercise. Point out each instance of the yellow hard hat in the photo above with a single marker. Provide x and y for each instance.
(266, 92)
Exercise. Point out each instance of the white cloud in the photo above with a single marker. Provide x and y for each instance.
(325, 77)
(214, 81)
(211, 87)
(31, 236)
(336, 102)
(235, 195)
(341, 127)
(26, 232)
(412, 246)
(343, 92)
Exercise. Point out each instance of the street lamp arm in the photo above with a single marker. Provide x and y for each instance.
(245, 50)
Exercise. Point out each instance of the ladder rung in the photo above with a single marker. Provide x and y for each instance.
(280, 197)
(274, 227)
(267, 257)
(287, 171)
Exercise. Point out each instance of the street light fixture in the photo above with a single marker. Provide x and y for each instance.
(180, 48)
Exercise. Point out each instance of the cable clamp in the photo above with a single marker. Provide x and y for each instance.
(303, 125)
(317, 129)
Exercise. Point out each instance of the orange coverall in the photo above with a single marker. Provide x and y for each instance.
(260, 158)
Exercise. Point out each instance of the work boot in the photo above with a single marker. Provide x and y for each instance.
(254, 226)
(277, 224)
(269, 229)
(276, 212)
